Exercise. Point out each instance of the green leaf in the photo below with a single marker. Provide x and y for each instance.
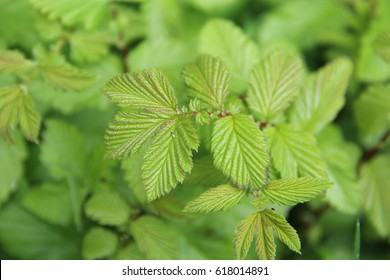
(274, 83)
(107, 208)
(243, 235)
(132, 168)
(372, 113)
(216, 199)
(169, 158)
(222, 38)
(66, 77)
(24, 236)
(50, 202)
(16, 108)
(154, 238)
(130, 252)
(282, 229)
(265, 242)
(375, 181)
(322, 96)
(73, 12)
(293, 191)
(208, 79)
(99, 243)
(11, 167)
(13, 61)
(240, 152)
(62, 150)
(342, 158)
(130, 131)
(295, 152)
(149, 90)
(382, 45)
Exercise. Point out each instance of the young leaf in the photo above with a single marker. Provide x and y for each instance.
(243, 235)
(375, 181)
(293, 191)
(372, 113)
(282, 229)
(216, 199)
(169, 158)
(382, 45)
(240, 152)
(322, 96)
(13, 61)
(154, 238)
(295, 152)
(107, 208)
(222, 38)
(208, 79)
(149, 90)
(73, 12)
(16, 107)
(99, 243)
(265, 241)
(66, 77)
(274, 83)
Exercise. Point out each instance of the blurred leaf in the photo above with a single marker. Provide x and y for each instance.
(322, 96)
(11, 167)
(154, 238)
(132, 168)
(16, 108)
(372, 113)
(208, 79)
(274, 83)
(240, 151)
(342, 158)
(99, 243)
(382, 45)
(375, 180)
(130, 252)
(293, 191)
(62, 150)
(220, 198)
(295, 152)
(108, 208)
(73, 12)
(13, 61)
(215, 6)
(223, 39)
(25, 236)
(50, 202)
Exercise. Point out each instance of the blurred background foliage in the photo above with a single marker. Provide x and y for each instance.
(59, 197)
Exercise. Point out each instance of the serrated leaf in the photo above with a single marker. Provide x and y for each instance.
(342, 159)
(382, 45)
(273, 85)
(16, 108)
(222, 38)
(143, 90)
(265, 242)
(240, 152)
(295, 152)
(243, 236)
(322, 96)
(50, 202)
(99, 243)
(216, 199)
(130, 131)
(73, 12)
(62, 150)
(13, 61)
(372, 113)
(66, 77)
(154, 238)
(375, 181)
(169, 158)
(282, 229)
(107, 208)
(293, 191)
(208, 79)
